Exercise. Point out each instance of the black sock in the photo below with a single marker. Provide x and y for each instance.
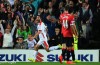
(68, 55)
(73, 55)
(63, 53)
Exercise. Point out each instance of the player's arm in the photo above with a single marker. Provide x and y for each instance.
(73, 29)
(39, 28)
(35, 36)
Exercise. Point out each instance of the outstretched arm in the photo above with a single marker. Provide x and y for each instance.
(13, 29)
(2, 29)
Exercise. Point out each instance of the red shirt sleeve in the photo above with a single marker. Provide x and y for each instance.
(72, 20)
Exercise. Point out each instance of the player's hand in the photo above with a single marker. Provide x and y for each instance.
(75, 36)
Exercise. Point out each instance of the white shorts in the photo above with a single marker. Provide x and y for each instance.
(44, 43)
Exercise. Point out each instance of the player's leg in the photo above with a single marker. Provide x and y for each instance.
(62, 56)
(73, 54)
(64, 51)
(47, 48)
(35, 51)
(71, 41)
(70, 50)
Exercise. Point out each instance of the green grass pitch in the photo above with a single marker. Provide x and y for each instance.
(50, 63)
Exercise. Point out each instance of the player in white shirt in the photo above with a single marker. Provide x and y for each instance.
(42, 32)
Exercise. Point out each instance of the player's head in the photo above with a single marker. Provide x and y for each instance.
(38, 19)
(71, 11)
(66, 8)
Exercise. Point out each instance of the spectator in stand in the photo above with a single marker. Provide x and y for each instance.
(10, 15)
(23, 31)
(7, 36)
(32, 23)
(51, 24)
(50, 7)
(57, 38)
(21, 44)
(85, 16)
(31, 42)
(36, 3)
(78, 23)
(60, 10)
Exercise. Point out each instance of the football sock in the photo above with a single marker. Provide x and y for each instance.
(35, 54)
(63, 53)
(73, 55)
(68, 55)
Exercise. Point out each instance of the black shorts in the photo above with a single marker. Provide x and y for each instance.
(68, 40)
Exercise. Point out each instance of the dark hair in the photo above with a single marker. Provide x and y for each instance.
(66, 8)
(85, 3)
(71, 10)
(20, 37)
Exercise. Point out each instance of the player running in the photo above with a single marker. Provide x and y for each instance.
(42, 32)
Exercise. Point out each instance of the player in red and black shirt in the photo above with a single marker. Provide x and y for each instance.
(68, 29)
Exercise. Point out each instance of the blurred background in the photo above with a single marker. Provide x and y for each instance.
(19, 17)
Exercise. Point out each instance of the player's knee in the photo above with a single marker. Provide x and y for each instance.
(69, 48)
(47, 49)
(36, 47)
(72, 48)
(63, 45)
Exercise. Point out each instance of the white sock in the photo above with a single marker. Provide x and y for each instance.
(35, 54)
(53, 48)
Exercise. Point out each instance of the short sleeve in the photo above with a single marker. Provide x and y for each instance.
(72, 20)
(39, 27)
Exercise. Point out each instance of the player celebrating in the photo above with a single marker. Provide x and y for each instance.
(42, 32)
(68, 29)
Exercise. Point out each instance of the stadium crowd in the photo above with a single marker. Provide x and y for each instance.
(18, 21)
